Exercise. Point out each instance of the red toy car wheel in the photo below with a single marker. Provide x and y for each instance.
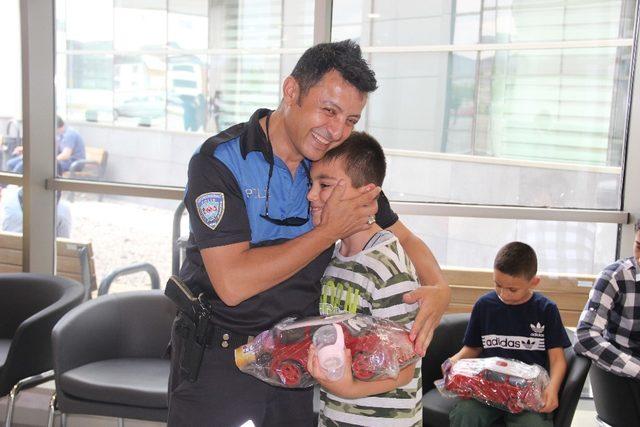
(290, 373)
(361, 367)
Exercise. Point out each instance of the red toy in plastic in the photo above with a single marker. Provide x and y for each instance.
(504, 383)
(379, 349)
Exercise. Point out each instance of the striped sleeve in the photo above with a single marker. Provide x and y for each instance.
(391, 275)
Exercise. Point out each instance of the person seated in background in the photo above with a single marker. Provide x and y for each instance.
(370, 263)
(12, 212)
(608, 331)
(69, 148)
(515, 315)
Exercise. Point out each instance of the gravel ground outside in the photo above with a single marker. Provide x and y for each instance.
(123, 233)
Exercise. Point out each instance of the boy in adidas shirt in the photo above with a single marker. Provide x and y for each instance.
(516, 323)
(368, 273)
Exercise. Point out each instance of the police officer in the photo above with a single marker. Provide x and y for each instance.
(253, 250)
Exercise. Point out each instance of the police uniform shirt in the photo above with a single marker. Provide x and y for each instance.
(524, 332)
(225, 196)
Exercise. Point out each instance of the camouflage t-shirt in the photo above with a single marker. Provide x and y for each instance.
(373, 282)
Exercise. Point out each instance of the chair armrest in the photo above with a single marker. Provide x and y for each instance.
(81, 163)
(146, 267)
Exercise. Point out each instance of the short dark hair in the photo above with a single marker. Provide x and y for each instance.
(517, 259)
(363, 157)
(344, 56)
(59, 122)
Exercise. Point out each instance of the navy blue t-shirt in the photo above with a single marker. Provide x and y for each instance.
(523, 332)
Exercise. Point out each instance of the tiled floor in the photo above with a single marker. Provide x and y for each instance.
(32, 406)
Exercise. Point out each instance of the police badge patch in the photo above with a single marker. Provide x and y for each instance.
(210, 208)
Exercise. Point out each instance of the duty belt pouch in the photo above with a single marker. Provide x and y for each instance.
(193, 353)
(198, 327)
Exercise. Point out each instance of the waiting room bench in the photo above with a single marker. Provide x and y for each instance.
(74, 259)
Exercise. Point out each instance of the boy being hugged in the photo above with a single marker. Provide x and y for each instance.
(516, 323)
(369, 272)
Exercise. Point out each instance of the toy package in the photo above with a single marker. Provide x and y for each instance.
(380, 348)
(504, 383)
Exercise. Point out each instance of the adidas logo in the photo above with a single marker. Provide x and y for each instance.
(528, 344)
(537, 328)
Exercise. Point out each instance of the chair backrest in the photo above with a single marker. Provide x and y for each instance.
(99, 156)
(617, 399)
(122, 325)
(577, 370)
(569, 292)
(31, 304)
(74, 259)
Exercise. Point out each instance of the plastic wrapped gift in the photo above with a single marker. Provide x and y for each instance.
(379, 348)
(504, 383)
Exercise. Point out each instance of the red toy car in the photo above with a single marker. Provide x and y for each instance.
(379, 348)
(504, 383)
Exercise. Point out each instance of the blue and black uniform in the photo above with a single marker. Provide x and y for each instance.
(225, 198)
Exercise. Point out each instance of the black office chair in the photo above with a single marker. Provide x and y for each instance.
(447, 340)
(617, 399)
(109, 357)
(30, 304)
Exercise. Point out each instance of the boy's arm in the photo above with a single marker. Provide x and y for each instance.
(434, 295)
(558, 368)
(466, 352)
(349, 387)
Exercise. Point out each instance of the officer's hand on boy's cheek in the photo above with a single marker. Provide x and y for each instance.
(343, 217)
(433, 302)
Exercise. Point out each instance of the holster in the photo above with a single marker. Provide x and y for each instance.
(196, 327)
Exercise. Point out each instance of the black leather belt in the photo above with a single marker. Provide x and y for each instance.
(217, 337)
(226, 339)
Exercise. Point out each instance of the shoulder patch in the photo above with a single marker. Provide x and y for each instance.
(210, 208)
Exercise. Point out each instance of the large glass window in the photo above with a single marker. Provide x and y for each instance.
(10, 87)
(506, 103)
(128, 71)
(119, 232)
(565, 247)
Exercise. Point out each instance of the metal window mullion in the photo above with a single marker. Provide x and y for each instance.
(10, 179)
(322, 21)
(631, 169)
(403, 208)
(38, 111)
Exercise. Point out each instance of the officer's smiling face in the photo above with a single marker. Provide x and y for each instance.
(324, 177)
(322, 118)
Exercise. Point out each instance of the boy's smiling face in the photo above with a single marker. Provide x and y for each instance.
(324, 177)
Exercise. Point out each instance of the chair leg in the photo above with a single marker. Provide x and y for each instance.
(10, 404)
(52, 410)
(21, 385)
